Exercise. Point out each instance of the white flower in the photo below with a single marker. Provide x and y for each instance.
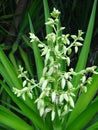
(66, 97)
(24, 83)
(74, 37)
(56, 48)
(40, 103)
(84, 88)
(81, 39)
(51, 37)
(83, 79)
(78, 44)
(50, 22)
(71, 101)
(66, 75)
(63, 83)
(89, 80)
(61, 98)
(65, 39)
(52, 115)
(54, 96)
(23, 96)
(44, 51)
(68, 61)
(47, 110)
(44, 72)
(41, 45)
(69, 84)
(44, 84)
(76, 49)
(51, 70)
(33, 37)
(19, 94)
(41, 110)
(91, 69)
(64, 50)
(29, 94)
(80, 32)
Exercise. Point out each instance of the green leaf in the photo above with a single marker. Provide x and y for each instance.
(27, 111)
(93, 126)
(47, 15)
(84, 100)
(10, 119)
(10, 76)
(81, 64)
(38, 58)
(80, 122)
(9, 69)
(26, 60)
(86, 46)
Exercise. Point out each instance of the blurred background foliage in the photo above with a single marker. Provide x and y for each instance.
(14, 31)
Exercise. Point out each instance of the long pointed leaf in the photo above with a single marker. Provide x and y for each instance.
(9, 69)
(84, 100)
(86, 46)
(26, 60)
(47, 15)
(81, 64)
(12, 120)
(93, 127)
(80, 122)
(11, 77)
(38, 58)
(33, 116)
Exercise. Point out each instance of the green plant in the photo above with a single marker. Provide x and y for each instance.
(57, 90)
(72, 120)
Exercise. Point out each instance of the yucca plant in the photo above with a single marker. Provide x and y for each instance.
(49, 99)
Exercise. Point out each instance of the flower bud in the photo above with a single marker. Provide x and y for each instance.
(53, 96)
(63, 82)
(53, 115)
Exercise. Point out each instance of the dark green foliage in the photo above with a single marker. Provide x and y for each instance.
(17, 19)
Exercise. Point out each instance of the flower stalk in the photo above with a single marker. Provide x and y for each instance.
(56, 95)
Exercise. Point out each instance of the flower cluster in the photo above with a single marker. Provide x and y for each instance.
(56, 88)
(28, 85)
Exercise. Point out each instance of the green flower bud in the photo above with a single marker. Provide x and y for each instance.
(69, 51)
(29, 94)
(50, 22)
(69, 84)
(78, 44)
(74, 37)
(23, 96)
(55, 13)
